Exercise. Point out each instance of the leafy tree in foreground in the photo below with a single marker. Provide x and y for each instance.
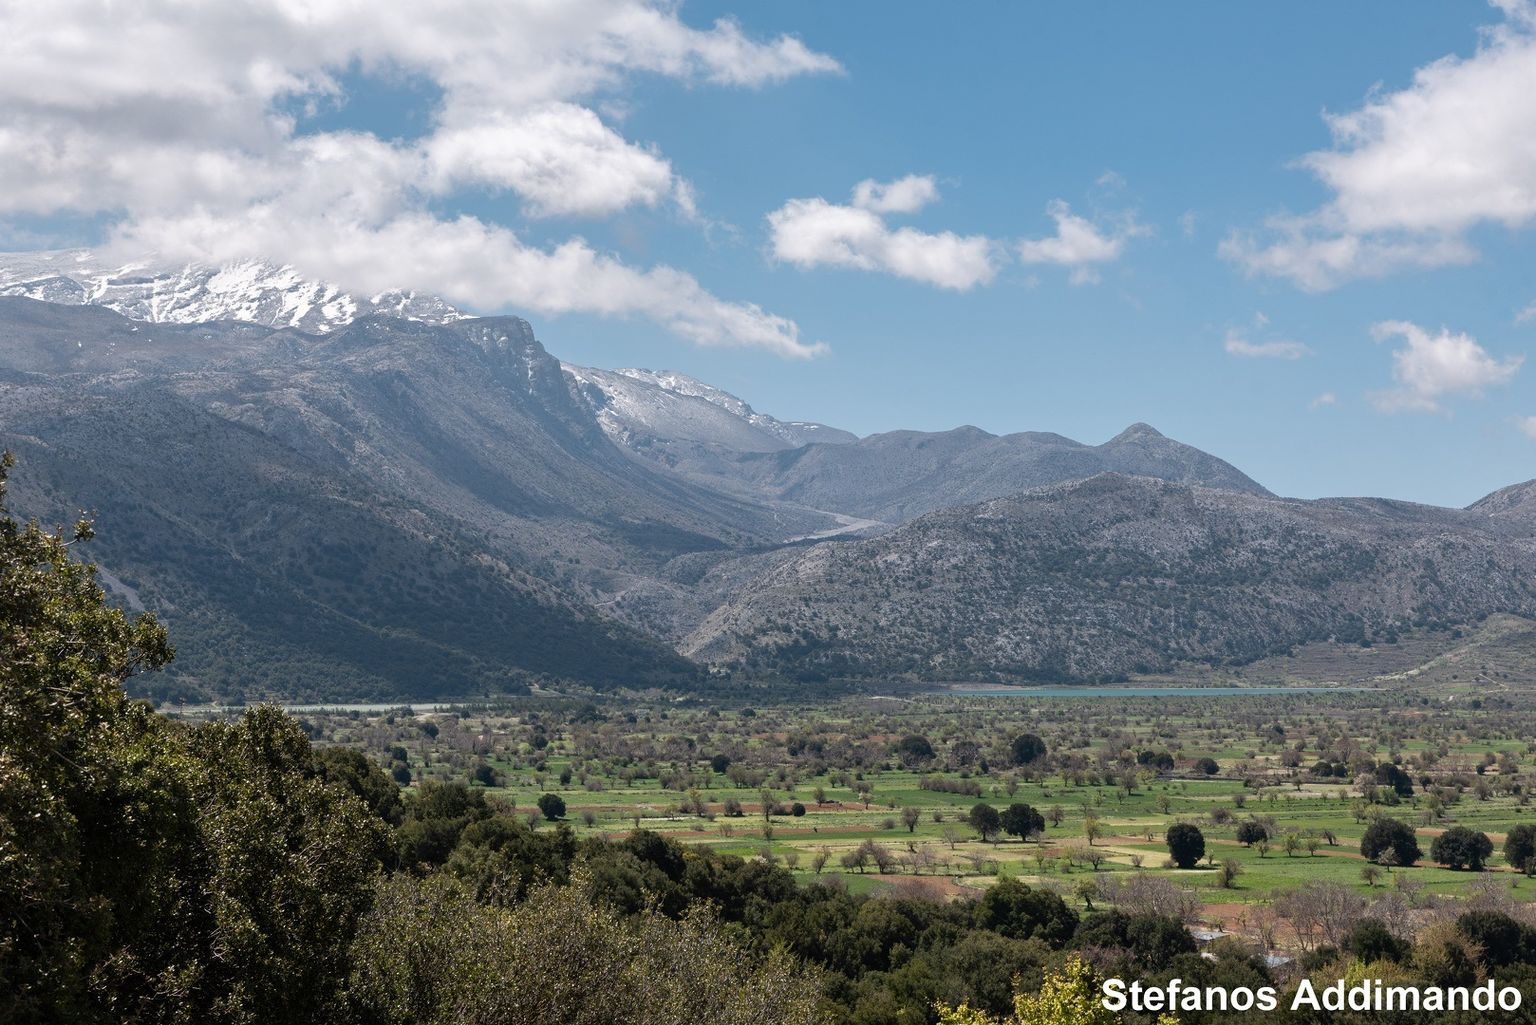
(430, 955)
(1020, 912)
(1390, 838)
(150, 872)
(1186, 844)
(1070, 997)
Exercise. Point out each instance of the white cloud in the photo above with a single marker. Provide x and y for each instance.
(1110, 181)
(902, 196)
(1327, 398)
(1526, 314)
(1078, 244)
(1527, 426)
(813, 232)
(1412, 171)
(560, 158)
(179, 123)
(1433, 367)
(1238, 344)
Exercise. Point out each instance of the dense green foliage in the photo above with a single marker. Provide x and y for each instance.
(1390, 841)
(1186, 844)
(1459, 847)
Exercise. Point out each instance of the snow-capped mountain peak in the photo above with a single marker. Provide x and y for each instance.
(257, 291)
(639, 408)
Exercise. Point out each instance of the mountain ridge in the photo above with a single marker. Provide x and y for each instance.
(409, 509)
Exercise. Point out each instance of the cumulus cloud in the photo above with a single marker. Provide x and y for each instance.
(1526, 314)
(1431, 368)
(1327, 398)
(813, 232)
(1527, 426)
(1079, 244)
(902, 196)
(186, 126)
(1413, 170)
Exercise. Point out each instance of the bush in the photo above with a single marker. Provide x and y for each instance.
(552, 806)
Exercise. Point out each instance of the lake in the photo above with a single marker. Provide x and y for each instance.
(1093, 692)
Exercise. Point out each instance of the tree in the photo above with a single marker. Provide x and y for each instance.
(151, 872)
(1022, 821)
(1186, 844)
(1520, 848)
(985, 820)
(1459, 847)
(552, 806)
(1230, 870)
(1068, 997)
(1207, 766)
(1392, 837)
(1020, 912)
(1389, 775)
(430, 953)
(1027, 748)
(1370, 940)
(720, 763)
(1251, 832)
(914, 750)
(911, 815)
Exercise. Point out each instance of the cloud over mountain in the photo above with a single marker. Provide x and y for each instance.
(193, 132)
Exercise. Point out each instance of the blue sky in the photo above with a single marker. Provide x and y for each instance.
(1348, 324)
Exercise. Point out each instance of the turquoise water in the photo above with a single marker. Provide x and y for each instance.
(1092, 692)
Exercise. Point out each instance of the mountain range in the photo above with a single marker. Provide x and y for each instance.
(328, 496)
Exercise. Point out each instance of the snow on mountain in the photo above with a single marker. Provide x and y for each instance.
(641, 409)
(248, 290)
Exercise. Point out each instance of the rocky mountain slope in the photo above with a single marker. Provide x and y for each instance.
(395, 508)
(253, 291)
(900, 475)
(1117, 574)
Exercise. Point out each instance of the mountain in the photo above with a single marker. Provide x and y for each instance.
(1117, 574)
(393, 509)
(407, 508)
(253, 291)
(897, 476)
(1515, 501)
(697, 431)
